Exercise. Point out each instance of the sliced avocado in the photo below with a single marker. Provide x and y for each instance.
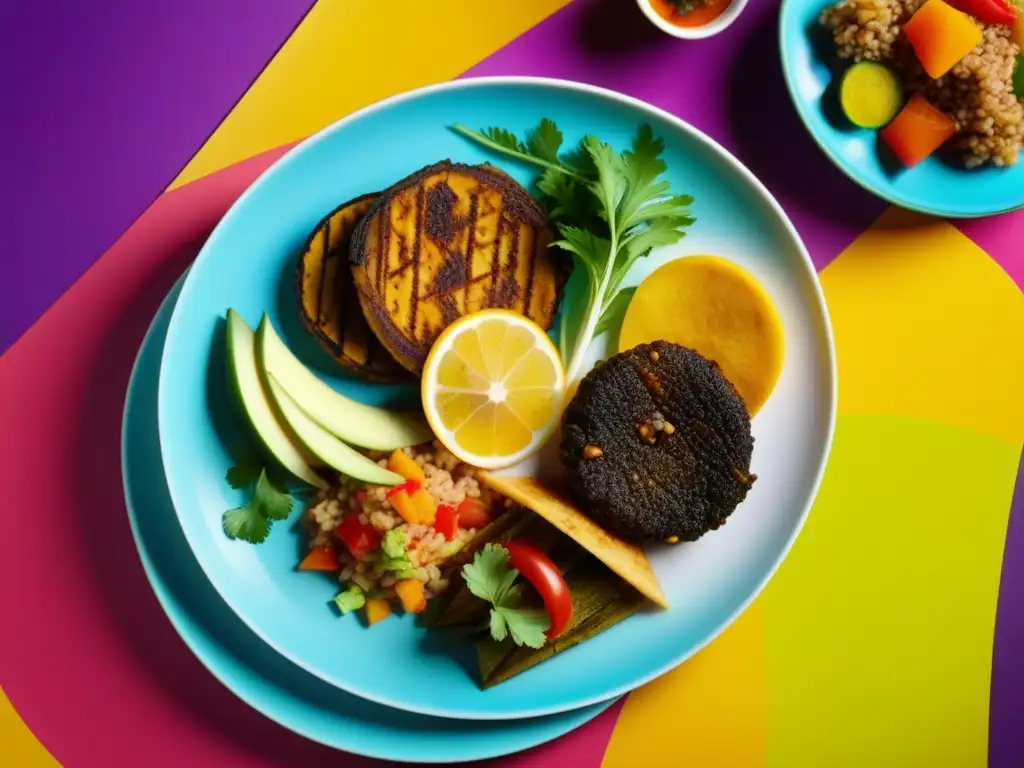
(325, 446)
(245, 380)
(354, 422)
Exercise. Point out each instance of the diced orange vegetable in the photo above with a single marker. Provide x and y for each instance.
(403, 505)
(941, 36)
(377, 609)
(917, 131)
(412, 595)
(322, 558)
(425, 508)
(1017, 32)
(401, 464)
(473, 514)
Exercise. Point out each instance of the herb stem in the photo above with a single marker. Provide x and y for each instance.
(489, 143)
(594, 309)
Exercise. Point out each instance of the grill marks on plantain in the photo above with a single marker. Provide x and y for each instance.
(448, 241)
(328, 298)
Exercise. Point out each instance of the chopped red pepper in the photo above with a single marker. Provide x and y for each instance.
(409, 486)
(538, 569)
(360, 538)
(988, 11)
(446, 521)
(473, 514)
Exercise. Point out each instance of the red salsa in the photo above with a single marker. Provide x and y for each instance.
(689, 13)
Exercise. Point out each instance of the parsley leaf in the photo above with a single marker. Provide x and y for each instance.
(504, 138)
(244, 473)
(271, 502)
(251, 522)
(246, 523)
(352, 599)
(544, 141)
(485, 576)
(611, 209)
(526, 625)
(490, 578)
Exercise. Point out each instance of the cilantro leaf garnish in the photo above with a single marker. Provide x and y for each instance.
(246, 523)
(352, 599)
(244, 473)
(610, 209)
(271, 502)
(251, 522)
(491, 578)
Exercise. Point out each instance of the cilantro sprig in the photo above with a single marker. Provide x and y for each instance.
(491, 578)
(611, 208)
(251, 522)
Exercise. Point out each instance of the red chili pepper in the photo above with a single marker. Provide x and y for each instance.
(446, 521)
(473, 514)
(360, 538)
(988, 11)
(538, 569)
(409, 486)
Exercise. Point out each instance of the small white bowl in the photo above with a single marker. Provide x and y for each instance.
(713, 27)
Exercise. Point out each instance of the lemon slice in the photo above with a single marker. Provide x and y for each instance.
(492, 388)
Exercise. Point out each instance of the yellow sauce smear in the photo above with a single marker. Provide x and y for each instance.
(698, 17)
(717, 308)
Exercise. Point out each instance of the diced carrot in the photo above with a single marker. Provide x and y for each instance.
(941, 36)
(473, 514)
(322, 558)
(1017, 33)
(412, 595)
(401, 464)
(403, 505)
(917, 131)
(425, 508)
(377, 609)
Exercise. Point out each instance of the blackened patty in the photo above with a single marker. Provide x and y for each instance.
(657, 444)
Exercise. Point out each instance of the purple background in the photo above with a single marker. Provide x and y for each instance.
(104, 102)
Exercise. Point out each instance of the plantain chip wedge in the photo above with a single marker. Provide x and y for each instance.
(327, 297)
(447, 241)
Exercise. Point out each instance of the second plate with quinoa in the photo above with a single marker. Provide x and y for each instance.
(473, 430)
(946, 117)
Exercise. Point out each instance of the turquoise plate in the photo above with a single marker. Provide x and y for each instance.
(248, 263)
(256, 674)
(935, 186)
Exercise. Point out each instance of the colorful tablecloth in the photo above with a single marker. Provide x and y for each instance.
(892, 636)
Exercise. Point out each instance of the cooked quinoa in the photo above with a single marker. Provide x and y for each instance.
(977, 92)
(448, 480)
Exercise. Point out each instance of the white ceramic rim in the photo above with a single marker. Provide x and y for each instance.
(713, 27)
(643, 107)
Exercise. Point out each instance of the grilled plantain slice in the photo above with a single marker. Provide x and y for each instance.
(447, 241)
(327, 296)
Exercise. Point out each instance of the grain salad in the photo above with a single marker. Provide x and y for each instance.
(977, 92)
(370, 509)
